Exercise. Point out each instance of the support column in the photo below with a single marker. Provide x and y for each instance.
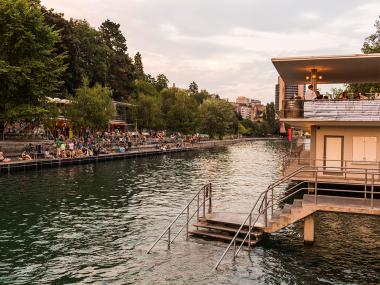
(308, 230)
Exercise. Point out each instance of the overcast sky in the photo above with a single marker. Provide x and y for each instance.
(226, 45)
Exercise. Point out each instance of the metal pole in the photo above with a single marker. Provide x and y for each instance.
(204, 202)
(373, 182)
(315, 187)
(266, 208)
(209, 200)
(365, 185)
(345, 169)
(187, 223)
(198, 207)
(272, 203)
(169, 238)
(249, 230)
(234, 249)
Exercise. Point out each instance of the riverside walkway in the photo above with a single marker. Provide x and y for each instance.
(36, 164)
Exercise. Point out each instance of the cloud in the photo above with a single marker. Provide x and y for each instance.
(226, 46)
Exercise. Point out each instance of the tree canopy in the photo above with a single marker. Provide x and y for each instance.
(30, 66)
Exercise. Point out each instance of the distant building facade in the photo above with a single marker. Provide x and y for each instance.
(248, 108)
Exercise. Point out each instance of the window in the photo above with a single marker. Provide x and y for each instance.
(364, 148)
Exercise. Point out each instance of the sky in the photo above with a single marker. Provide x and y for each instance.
(226, 46)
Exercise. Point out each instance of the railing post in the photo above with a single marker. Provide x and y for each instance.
(315, 186)
(272, 204)
(187, 223)
(372, 187)
(234, 249)
(266, 208)
(249, 230)
(209, 199)
(169, 238)
(345, 169)
(198, 208)
(365, 184)
(204, 202)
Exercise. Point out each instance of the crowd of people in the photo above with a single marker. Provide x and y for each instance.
(92, 144)
(312, 94)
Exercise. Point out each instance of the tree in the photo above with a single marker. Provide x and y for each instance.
(200, 96)
(370, 45)
(161, 82)
(120, 74)
(30, 66)
(139, 68)
(270, 118)
(216, 117)
(181, 115)
(193, 87)
(91, 107)
(146, 110)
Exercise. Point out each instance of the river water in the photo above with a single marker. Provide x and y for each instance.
(92, 224)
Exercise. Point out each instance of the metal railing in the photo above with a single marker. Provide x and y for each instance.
(267, 201)
(205, 193)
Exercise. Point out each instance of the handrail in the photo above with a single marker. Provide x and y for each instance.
(207, 190)
(269, 205)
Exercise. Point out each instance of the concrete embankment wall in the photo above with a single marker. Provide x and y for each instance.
(142, 151)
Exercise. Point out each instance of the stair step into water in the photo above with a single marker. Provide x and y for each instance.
(219, 236)
(226, 229)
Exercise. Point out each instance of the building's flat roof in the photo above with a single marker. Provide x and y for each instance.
(355, 68)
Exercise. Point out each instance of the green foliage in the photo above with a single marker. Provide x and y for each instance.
(181, 115)
(30, 67)
(138, 67)
(161, 82)
(271, 119)
(91, 107)
(216, 117)
(121, 70)
(146, 110)
(370, 45)
(193, 87)
(200, 96)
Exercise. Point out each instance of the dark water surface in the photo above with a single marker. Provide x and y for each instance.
(93, 224)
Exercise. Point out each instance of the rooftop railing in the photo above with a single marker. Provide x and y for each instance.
(358, 110)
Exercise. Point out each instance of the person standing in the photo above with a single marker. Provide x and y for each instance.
(310, 93)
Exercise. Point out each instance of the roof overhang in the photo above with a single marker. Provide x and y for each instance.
(357, 68)
(306, 124)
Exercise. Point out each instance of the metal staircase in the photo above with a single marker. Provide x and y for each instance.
(284, 202)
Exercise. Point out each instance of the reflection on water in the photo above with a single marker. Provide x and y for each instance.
(93, 223)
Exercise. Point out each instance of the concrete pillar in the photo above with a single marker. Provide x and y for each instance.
(308, 230)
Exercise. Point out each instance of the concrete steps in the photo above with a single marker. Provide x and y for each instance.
(224, 231)
(288, 215)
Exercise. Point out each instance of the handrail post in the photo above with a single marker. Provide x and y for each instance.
(345, 169)
(315, 186)
(209, 199)
(266, 208)
(372, 187)
(204, 202)
(234, 249)
(272, 204)
(198, 207)
(187, 223)
(365, 185)
(169, 238)
(249, 230)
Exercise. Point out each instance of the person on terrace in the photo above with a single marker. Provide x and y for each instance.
(310, 94)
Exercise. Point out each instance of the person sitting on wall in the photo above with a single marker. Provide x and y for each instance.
(310, 94)
(318, 95)
(343, 96)
(25, 156)
(2, 158)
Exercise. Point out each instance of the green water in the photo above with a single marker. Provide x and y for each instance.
(92, 224)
